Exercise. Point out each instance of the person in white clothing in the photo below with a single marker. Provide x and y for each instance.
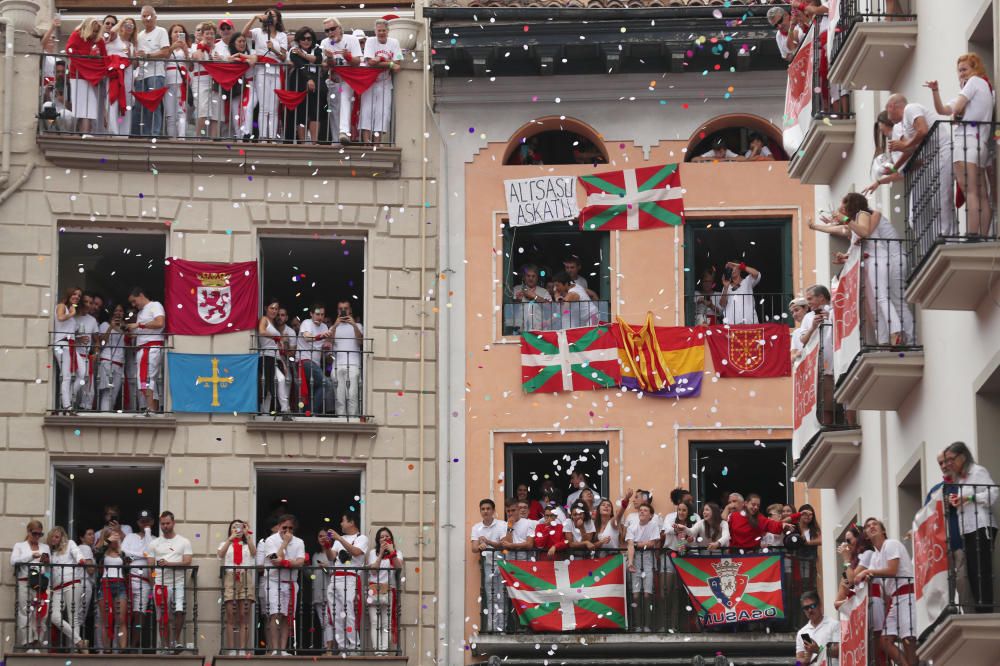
(134, 548)
(759, 152)
(890, 564)
(312, 341)
(323, 566)
(111, 362)
(797, 308)
(711, 532)
(122, 41)
(148, 330)
(178, 79)
(339, 50)
(385, 563)
(284, 554)
(635, 499)
(820, 635)
(270, 343)
(87, 331)
(236, 552)
(486, 536)
(346, 550)
(578, 481)
(64, 349)
(270, 44)
(111, 627)
(242, 97)
(153, 47)
(737, 299)
(262, 581)
(521, 533)
(88, 578)
(789, 34)
(66, 592)
(382, 52)
(573, 265)
(29, 559)
(608, 526)
(643, 539)
(348, 338)
(166, 553)
(820, 316)
(532, 304)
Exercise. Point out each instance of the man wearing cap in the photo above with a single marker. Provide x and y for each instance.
(339, 50)
(140, 590)
(226, 28)
(798, 307)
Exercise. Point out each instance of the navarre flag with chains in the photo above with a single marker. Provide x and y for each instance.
(572, 359)
(643, 198)
(733, 589)
(567, 595)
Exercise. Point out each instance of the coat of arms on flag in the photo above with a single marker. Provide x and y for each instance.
(567, 595)
(572, 359)
(731, 590)
(643, 198)
(206, 299)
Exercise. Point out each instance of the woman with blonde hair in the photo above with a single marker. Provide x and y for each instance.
(86, 71)
(29, 559)
(112, 607)
(66, 598)
(972, 139)
(64, 348)
(121, 42)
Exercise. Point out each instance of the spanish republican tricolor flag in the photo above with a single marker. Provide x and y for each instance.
(661, 361)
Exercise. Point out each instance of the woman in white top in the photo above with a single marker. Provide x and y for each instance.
(86, 548)
(883, 169)
(608, 525)
(71, 376)
(972, 139)
(270, 44)
(711, 532)
(111, 363)
(320, 581)
(66, 596)
(573, 307)
(178, 77)
(675, 542)
(30, 584)
(236, 552)
(121, 41)
(385, 562)
(112, 606)
(269, 343)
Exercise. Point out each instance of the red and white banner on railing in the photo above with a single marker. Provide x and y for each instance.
(804, 379)
(798, 96)
(930, 562)
(854, 629)
(847, 313)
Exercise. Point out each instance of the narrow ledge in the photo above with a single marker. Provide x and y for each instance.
(328, 426)
(128, 421)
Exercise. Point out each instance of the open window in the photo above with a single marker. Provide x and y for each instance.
(557, 147)
(762, 244)
(296, 490)
(81, 490)
(752, 466)
(732, 136)
(534, 464)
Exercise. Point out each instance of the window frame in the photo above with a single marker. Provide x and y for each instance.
(558, 448)
(695, 479)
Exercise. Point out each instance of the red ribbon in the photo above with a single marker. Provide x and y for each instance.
(117, 90)
(393, 622)
(72, 356)
(226, 74)
(144, 362)
(109, 620)
(161, 598)
(359, 78)
(237, 551)
(151, 98)
(290, 99)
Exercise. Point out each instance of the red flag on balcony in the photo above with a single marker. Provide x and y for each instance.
(117, 90)
(204, 299)
(150, 98)
(750, 350)
(226, 74)
(930, 560)
(854, 627)
(290, 99)
(732, 589)
(359, 78)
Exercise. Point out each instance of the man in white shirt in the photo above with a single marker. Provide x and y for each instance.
(889, 565)
(111, 361)
(788, 36)
(737, 299)
(520, 535)
(153, 45)
(818, 633)
(148, 331)
(530, 307)
(643, 536)
(636, 499)
(382, 52)
(820, 316)
(313, 339)
(170, 554)
(798, 307)
(348, 338)
(486, 536)
(573, 265)
(340, 50)
(87, 332)
(284, 554)
(578, 480)
(347, 552)
(134, 547)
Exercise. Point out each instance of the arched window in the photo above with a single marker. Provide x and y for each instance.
(731, 136)
(555, 140)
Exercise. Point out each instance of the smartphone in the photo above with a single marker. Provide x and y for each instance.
(806, 638)
(343, 312)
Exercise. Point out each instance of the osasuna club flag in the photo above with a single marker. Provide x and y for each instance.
(733, 589)
(572, 359)
(567, 595)
(205, 299)
(750, 350)
(930, 562)
(643, 198)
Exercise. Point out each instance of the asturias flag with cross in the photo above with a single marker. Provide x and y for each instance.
(572, 359)
(213, 382)
(643, 198)
(567, 595)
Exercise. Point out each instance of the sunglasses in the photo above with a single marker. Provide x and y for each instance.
(38, 534)
(225, 27)
(332, 29)
(809, 607)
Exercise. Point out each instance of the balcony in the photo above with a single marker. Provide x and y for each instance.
(871, 43)
(889, 361)
(712, 309)
(198, 116)
(954, 249)
(553, 316)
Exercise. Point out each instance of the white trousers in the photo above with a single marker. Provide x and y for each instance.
(109, 384)
(325, 615)
(120, 122)
(341, 595)
(376, 107)
(340, 100)
(30, 625)
(175, 111)
(70, 382)
(65, 603)
(266, 79)
(348, 389)
(282, 381)
(885, 275)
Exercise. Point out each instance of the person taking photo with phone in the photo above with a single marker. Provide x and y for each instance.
(348, 336)
(385, 561)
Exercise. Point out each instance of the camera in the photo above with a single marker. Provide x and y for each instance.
(342, 312)
(727, 273)
(343, 556)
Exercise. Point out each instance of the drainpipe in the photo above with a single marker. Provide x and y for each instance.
(421, 439)
(8, 98)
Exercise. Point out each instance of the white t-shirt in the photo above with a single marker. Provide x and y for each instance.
(893, 550)
(119, 47)
(611, 530)
(296, 549)
(911, 112)
(384, 575)
(172, 550)
(221, 48)
(65, 574)
(827, 631)
(764, 152)
(151, 311)
(135, 546)
(346, 345)
(575, 495)
(524, 528)
(797, 339)
(114, 349)
(258, 43)
(728, 155)
(782, 39)
(310, 350)
(980, 106)
(494, 532)
(151, 42)
(385, 52)
(638, 532)
(826, 330)
(21, 554)
(358, 541)
(230, 558)
(740, 305)
(86, 326)
(347, 43)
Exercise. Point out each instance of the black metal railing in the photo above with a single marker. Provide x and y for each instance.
(892, 620)
(831, 414)
(553, 316)
(120, 609)
(949, 188)
(116, 373)
(823, 105)
(886, 318)
(310, 610)
(712, 309)
(213, 99)
(657, 599)
(853, 12)
(326, 381)
(971, 529)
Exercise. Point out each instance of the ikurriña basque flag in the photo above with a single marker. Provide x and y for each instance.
(643, 198)
(213, 382)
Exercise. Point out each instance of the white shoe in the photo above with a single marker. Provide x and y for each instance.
(286, 654)
(275, 653)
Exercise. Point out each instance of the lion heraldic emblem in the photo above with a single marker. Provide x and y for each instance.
(214, 297)
(729, 585)
(746, 348)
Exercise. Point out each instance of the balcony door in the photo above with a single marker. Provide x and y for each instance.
(750, 466)
(81, 490)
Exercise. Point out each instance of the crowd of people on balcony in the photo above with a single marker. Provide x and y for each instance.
(212, 81)
(119, 590)
(563, 300)
(735, 303)
(720, 151)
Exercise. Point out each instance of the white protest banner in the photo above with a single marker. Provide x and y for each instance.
(540, 200)
(930, 562)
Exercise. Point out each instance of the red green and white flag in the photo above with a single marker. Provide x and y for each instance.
(643, 198)
(572, 359)
(733, 589)
(567, 595)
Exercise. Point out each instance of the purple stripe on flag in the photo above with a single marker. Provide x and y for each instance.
(688, 385)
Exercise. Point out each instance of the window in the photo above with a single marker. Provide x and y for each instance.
(546, 247)
(302, 271)
(737, 140)
(910, 496)
(557, 146)
(762, 244)
(535, 464)
(81, 490)
(762, 467)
